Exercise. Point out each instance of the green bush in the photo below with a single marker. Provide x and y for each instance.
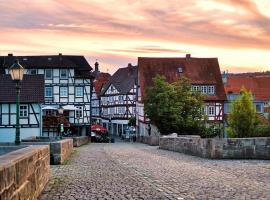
(262, 131)
(212, 131)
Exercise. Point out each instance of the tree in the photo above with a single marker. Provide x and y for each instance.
(132, 121)
(174, 107)
(242, 119)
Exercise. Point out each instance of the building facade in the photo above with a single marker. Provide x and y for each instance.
(204, 74)
(67, 84)
(118, 100)
(30, 112)
(256, 83)
(100, 81)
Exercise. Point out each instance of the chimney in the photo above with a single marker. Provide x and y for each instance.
(96, 68)
(129, 65)
(225, 77)
(188, 56)
(60, 54)
(10, 54)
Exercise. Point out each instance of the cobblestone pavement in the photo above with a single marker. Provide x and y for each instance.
(138, 171)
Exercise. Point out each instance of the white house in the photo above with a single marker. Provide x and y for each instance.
(67, 84)
(118, 99)
(30, 113)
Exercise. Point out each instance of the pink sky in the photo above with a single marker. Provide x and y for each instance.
(116, 32)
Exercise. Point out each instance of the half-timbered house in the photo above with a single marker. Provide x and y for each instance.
(204, 74)
(67, 85)
(100, 80)
(118, 99)
(30, 113)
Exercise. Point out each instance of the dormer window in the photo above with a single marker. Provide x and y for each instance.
(211, 89)
(49, 59)
(180, 69)
(204, 89)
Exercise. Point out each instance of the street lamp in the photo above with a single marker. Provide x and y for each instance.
(78, 121)
(16, 72)
(60, 112)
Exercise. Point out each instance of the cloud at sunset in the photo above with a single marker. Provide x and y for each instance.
(117, 32)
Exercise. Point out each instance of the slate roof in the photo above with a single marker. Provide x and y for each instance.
(79, 63)
(199, 70)
(258, 85)
(32, 89)
(100, 81)
(123, 79)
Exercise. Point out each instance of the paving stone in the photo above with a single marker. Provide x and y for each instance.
(138, 171)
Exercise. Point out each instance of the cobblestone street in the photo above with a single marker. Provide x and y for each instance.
(138, 171)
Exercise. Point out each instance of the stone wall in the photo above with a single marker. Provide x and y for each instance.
(80, 140)
(150, 140)
(24, 172)
(225, 148)
(60, 150)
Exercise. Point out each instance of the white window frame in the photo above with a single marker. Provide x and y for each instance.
(63, 77)
(46, 74)
(196, 88)
(62, 92)
(204, 89)
(23, 111)
(79, 93)
(211, 89)
(211, 110)
(79, 112)
(48, 87)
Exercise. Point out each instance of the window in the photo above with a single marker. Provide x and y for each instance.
(211, 89)
(48, 92)
(23, 110)
(111, 110)
(48, 73)
(258, 108)
(121, 99)
(121, 110)
(211, 110)
(63, 73)
(204, 89)
(79, 112)
(32, 71)
(196, 88)
(79, 91)
(63, 91)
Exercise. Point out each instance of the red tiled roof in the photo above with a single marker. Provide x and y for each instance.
(198, 70)
(258, 85)
(100, 81)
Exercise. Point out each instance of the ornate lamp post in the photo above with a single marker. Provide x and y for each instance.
(16, 72)
(78, 121)
(60, 112)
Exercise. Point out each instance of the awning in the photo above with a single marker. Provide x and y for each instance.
(70, 107)
(98, 128)
(49, 108)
